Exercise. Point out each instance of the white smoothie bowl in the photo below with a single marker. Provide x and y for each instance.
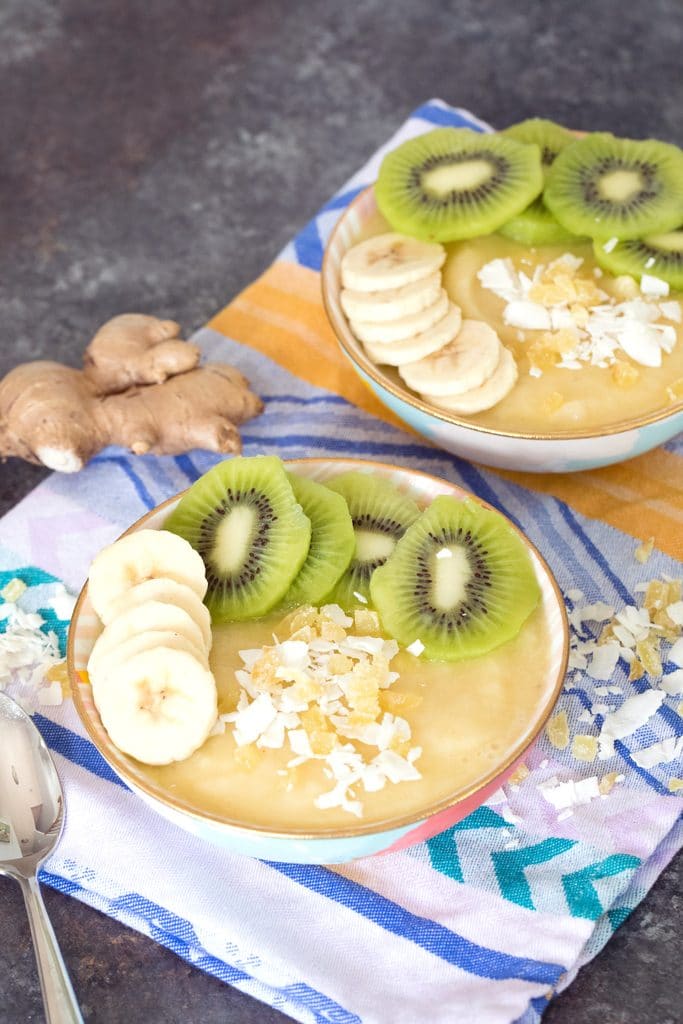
(558, 452)
(359, 839)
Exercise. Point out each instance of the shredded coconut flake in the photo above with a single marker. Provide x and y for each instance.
(320, 693)
(659, 753)
(27, 653)
(417, 647)
(633, 713)
(578, 320)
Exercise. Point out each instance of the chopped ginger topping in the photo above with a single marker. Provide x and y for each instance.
(608, 782)
(520, 773)
(624, 374)
(553, 402)
(557, 730)
(584, 747)
(643, 552)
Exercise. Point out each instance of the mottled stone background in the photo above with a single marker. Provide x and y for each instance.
(154, 157)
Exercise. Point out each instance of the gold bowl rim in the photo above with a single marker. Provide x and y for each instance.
(121, 763)
(354, 351)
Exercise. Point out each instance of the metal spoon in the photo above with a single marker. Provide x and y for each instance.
(31, 819)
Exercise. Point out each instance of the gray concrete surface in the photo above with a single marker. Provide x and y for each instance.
(155, 156)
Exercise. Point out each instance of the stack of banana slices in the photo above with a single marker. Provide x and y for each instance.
(397, 306)
(149, 667)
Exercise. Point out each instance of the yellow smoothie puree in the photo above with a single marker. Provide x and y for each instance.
(560, 401)
(469, 717)
(590, 398)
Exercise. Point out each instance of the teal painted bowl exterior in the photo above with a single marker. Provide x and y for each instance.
(558, 453)
(359, 839)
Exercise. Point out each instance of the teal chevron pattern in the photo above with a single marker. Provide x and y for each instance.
(582, 897)
(443, 851)
(510, 865)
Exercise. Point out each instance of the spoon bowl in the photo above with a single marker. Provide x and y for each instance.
(31, 821)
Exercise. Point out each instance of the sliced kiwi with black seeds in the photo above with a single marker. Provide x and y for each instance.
(454, 183)
(332, 542)
(380, 515)
(244, 520)
(460, 581)
(606, 187)
(658, 255)
(536, 225)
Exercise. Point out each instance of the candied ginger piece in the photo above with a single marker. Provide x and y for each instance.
(366, 622)
(656, 596)
(520, 773)
(608, 782)
(264, 671)
(552, 402)
(390, 700)
(313, 719)
(339, 664)
(636, 671)
(322, 741)
(557, 730)
(643, 552)
(648, 654)
(59, 673)
(584, 747)
(299, 619)
(332, 631)
(674, 785)
(624, 374)
(13, 590)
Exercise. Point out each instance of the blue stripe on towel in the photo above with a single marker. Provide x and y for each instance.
(429, 935)
(76, 749)
(178, 935)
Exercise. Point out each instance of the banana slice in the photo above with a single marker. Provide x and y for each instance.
(103, 668)
(389, 261)
(392, 303)
(169, 592)
(407, 327)
(143, 555)
(154, 616)
(411, 349)
(489, 394)
(158, 706)
(464, 364)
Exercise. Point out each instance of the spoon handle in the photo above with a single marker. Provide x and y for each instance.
(58, 995)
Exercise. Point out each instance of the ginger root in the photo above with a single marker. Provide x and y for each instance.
(136, 349)
(141, 388)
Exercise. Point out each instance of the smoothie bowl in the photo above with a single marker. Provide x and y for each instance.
(325, 738)
(525, 345)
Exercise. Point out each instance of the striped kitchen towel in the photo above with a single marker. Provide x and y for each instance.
(491, 917)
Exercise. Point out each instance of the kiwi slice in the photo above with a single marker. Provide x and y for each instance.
(659, 255)
(457, 183)
(243, 519)
(463, 604)
(606, 187)
(536, 225)
(551, 138)
(380, 515)
(332, 541)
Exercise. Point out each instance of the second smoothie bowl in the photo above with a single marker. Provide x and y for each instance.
(510, 333)
(305, 720)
